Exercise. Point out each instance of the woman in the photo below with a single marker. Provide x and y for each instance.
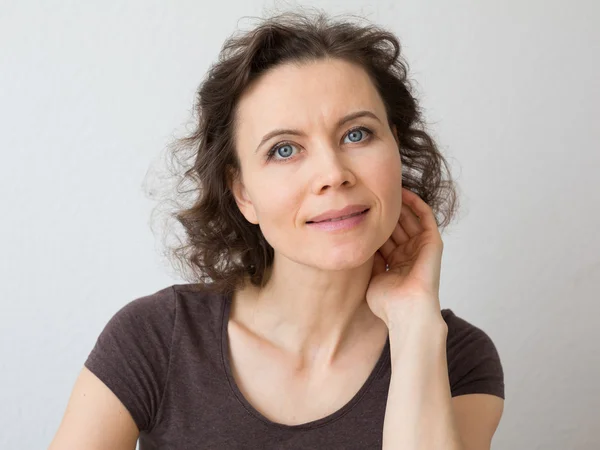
(313, 319)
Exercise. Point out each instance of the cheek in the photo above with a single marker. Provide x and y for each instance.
(276, 205)
(278, 221)
(384, 177)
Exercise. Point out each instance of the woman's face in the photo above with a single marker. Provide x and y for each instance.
(317, 162)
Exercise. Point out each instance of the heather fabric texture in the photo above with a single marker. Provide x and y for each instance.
(165, 356)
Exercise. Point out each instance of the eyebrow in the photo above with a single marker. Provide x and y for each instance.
(342, 121)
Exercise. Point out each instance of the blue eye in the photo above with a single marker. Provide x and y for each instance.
(355, 135)
(285, 149)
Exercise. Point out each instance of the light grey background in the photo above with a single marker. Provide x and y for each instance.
(91, 92)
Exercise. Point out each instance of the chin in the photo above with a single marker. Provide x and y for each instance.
(343, 261)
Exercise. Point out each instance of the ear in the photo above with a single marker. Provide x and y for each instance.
(242, 199)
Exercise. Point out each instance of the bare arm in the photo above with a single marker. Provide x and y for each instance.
(478, 417)
(95, 419)
(421, 413)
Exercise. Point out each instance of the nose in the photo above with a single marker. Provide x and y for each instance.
(332, 171)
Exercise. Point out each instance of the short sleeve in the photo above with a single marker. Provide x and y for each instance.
(131, 354)
(474, 365)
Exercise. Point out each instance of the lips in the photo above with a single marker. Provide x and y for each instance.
(340, 214)
(341, 218)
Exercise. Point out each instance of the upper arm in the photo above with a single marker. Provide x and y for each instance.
(95, 419)
(476, 381)
(477, 418)
(118, 393)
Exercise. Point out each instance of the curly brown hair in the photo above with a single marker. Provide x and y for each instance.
(220, 248)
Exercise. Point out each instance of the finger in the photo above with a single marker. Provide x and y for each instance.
(387, 249)
(399, 236)
(421, 210)
(409, 221)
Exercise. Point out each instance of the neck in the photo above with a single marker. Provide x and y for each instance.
(309, 312)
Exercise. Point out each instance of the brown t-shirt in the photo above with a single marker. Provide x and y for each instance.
(165, 357)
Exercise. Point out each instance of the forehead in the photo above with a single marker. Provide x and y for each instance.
(306, 94)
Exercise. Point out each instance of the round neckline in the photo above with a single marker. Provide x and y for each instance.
(381, 362)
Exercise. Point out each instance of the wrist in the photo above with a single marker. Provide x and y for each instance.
(415, 317)
(419, 340)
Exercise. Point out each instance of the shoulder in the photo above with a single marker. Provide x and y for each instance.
(151, 321)
(132, 354)
(160, 304)
(460, 331)
(474, 364)
(161, 309)
(150, 316)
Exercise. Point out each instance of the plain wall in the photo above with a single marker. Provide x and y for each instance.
(92, 92)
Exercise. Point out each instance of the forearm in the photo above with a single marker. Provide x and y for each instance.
(419, 413)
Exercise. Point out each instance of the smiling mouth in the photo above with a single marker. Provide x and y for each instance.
(340, 218)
